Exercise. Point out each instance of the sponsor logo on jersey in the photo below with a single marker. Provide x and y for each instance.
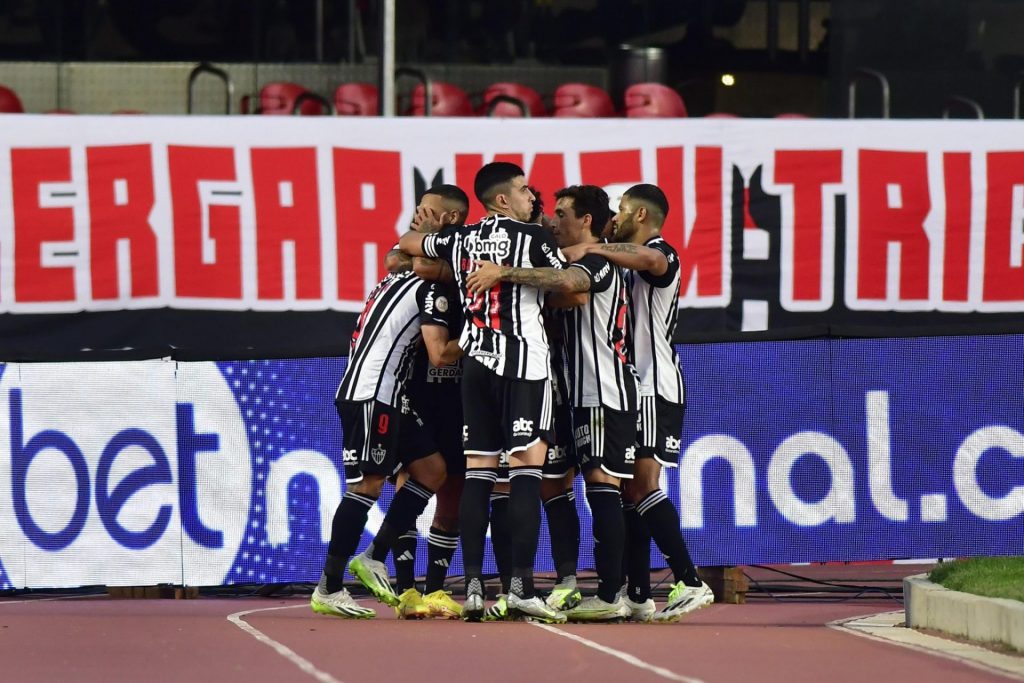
(522, 427)
(582, 435)
(630, 454)
(349, 456)
(446, 373)
(497, 246)
(672, 444)
(406, 409)
(556, 454)
(553, 258)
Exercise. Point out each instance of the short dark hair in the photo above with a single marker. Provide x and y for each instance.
(538, 206)
(451, 193)
(589, 199)
(652, 196)
(491, 177)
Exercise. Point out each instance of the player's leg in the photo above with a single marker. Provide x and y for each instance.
(559, 500)
(442, 541)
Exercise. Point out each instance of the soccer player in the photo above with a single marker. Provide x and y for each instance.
(367, 400)
(432, 421)
(601, 386)
(654, 283)
(506, 396)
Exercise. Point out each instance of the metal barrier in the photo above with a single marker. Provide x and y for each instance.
(421, 76)
(316, 97)
(876, 76)
(965, 101)
(507, 99)
(206, 67)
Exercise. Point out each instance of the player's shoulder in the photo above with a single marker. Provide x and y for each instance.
(661, 244)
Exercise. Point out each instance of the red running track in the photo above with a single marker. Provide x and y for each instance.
(100, 639)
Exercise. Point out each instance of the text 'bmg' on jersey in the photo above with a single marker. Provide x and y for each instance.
(503, 330)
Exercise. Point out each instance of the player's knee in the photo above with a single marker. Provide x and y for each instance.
(370, 485)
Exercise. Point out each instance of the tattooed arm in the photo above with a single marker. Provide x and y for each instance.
(628, 255)
(488, 274)
(395, 261)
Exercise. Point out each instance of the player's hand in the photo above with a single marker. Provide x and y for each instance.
(485, 276)
(575, 252)
(425, 221)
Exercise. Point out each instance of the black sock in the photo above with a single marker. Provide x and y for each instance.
(524, 516)
(609, 536)
(638, 555)
(501, 538)
(440, 549)
(473, 519)
(346, 530)
(405, 507)
(564, 529)
(662, 518)
(404, 552)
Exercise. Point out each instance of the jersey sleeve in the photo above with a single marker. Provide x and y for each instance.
(598, 269)
(668, 277)
(544, 251)
(440, 244)
(434, 305)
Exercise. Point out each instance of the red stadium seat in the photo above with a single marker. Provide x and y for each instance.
(653, 100)
(9, 102)
(580, 100)
(357, 99)
(446, 99)
(278, 99)
(792, 115)
(524, 93)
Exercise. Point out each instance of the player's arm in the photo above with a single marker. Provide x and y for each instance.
(624, 254)
(567, 300)
(432, 269)
(440, 349)
(395, 261)
(489, 274)
(411, 243)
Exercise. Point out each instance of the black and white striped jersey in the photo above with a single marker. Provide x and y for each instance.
(439, 305)
(383, 341)
(503, 330)
(654, 307)
(595, 341)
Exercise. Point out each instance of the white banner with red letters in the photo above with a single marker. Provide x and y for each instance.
(296, 213)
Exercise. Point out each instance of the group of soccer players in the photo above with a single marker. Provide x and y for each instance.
(563, 334)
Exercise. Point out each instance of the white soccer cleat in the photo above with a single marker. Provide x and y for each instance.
(682, 600)
(534, 609)
(339, 604)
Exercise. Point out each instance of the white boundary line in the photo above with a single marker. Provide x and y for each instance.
(624, 656)
(304, 664)
(887, 627)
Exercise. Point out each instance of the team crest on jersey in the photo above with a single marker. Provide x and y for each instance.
(377, 454)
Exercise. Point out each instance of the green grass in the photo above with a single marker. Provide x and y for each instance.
(994, 577)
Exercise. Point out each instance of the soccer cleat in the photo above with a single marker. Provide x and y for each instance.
(533, 609)
(640, 611)
(338, 604)
(564, 597)
(411, 605)
(682, 600)
(374, 576)
(498, 611)
(473, 609)
(440, 604)
(596, 609)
